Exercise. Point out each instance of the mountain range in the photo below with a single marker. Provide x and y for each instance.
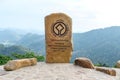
(100, 45)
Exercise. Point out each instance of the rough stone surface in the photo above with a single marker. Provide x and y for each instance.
(61, 71)
(118, 64)
(58, 33)
(108, 71)
(84, 62)
(2, 72)
(16, 64)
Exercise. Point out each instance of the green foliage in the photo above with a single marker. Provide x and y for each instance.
(4, 59)
(101, 64)
(115, 66)
(28, 55)
(40, 58)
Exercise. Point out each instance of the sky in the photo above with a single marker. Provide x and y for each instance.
(28, 15)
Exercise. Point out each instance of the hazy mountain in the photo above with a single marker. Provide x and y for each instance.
(9, 37)
(8, 50)
(101, 45)
(34, 41)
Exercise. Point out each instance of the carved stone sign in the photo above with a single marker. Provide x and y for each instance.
(58, 33)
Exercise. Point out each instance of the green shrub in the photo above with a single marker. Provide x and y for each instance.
(101, 64)
(4, 59)
(115, 66)
(40, 58)
(28, 55)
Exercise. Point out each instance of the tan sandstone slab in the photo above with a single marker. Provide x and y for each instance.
(84, 62)
(108, 71)
(16, 64)
(58, 33)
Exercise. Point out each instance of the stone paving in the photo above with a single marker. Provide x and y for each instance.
(59, 71)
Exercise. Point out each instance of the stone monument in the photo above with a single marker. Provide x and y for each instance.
(58, 35)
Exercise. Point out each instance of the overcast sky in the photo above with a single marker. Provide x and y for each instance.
(86, 15)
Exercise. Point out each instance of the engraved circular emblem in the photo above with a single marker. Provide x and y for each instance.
(59, 28)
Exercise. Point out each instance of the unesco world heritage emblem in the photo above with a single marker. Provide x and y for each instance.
(59, 28)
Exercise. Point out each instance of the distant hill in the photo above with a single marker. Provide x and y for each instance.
(100, 45)
(33, 41)
(9, 37)
(8, 50)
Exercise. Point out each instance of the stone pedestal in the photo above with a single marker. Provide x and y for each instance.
(58, 34)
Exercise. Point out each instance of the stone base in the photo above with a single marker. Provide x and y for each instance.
(54, 58)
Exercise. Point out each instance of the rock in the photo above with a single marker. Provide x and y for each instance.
(16, 64)
(108, 71)
(118, 64)
(84, 62)
(58, 34)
